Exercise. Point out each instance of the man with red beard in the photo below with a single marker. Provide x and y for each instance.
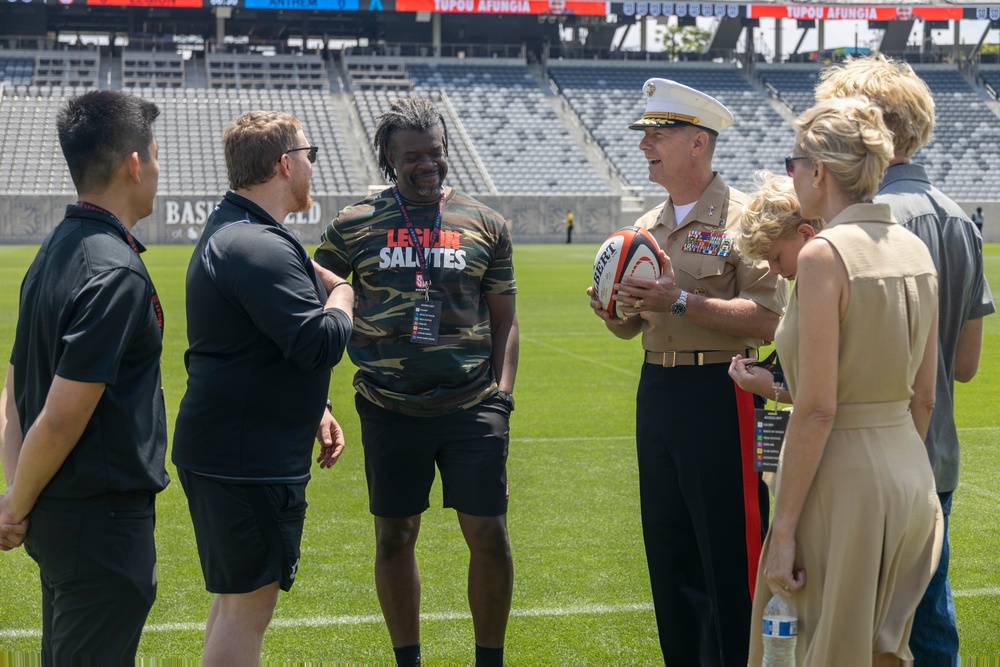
(436, 344)
(265, 326)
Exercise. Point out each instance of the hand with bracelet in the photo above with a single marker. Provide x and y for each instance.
(337, 295)
(330, 280)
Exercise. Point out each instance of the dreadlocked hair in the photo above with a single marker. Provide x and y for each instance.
(406, 113)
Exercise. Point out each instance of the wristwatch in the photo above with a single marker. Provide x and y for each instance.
(329, 406)
(680, 306)
(508, 399)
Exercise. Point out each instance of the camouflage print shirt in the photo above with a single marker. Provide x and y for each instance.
(471, 259)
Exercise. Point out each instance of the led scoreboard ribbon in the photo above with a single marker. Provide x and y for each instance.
(329, 5)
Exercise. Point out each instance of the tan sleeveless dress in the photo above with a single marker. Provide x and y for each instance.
(870, 532)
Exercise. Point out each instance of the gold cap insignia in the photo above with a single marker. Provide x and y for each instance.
(650, 89)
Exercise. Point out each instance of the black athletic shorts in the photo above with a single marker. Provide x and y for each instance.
(469, 448)
(248, 534)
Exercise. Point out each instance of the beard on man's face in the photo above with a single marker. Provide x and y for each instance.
(303, 201)
(423, 187)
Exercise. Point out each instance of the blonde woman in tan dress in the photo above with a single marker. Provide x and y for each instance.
(857, 524)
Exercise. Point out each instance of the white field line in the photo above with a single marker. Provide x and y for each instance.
(363, 619)
(969, 486)
(977, 592)
(327, 621)
(600, 438)
(631, 370)
(562, 334)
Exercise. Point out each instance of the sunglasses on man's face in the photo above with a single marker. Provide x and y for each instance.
(311, 155)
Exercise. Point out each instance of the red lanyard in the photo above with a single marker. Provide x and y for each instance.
(425, 269)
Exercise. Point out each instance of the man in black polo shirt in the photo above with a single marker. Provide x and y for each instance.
(263, 335)
(83, 452)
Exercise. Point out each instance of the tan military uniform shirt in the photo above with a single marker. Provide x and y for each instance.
(706, 263)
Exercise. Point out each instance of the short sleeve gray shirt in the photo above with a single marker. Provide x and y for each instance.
(963, 293)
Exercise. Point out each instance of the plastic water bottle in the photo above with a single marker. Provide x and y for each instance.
(780, 629)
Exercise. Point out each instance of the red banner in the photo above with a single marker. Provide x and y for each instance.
(854, 13)
(147, 3)
(554, 7)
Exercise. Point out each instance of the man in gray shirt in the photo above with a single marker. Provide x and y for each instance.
(964, 296)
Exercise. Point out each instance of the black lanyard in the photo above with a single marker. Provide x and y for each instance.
(425, 268)
(157, 308)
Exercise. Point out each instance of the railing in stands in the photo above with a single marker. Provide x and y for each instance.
(515, 51)
(474, 152)
(775, 94)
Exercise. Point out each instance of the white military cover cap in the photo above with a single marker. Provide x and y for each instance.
(669, 104)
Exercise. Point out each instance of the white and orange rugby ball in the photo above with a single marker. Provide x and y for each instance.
(631, 251)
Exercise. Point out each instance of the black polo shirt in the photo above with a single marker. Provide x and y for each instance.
(261, 346)
(86, 314)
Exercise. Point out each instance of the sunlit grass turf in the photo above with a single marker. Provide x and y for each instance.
(581, 592)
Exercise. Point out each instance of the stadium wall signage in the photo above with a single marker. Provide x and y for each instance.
(854, 12)
(180, 219)
(570, 7)
(991, 13)
(679, 9)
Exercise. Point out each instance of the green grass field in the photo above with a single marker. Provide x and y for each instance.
(581, 591)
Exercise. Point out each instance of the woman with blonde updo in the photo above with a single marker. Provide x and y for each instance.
(772, 229)
(857, 524)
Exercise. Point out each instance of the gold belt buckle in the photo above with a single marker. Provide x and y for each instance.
(673, 359)
(699, 359)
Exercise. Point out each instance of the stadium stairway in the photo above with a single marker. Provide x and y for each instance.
(110, 74)
(579, 133)
(363, 161)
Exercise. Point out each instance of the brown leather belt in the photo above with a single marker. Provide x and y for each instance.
(671, 359)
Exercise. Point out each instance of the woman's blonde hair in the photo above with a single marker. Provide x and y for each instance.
(905, 100)
(771, 213)
(850, 138)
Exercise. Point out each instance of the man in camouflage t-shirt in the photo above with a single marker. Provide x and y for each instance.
(436, 343)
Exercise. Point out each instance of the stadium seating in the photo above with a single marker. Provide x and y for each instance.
(190, 136)
(464, 172)
(795, 83)
(511, 124)
(17, 71)
(508, 134)
(189, 133)
(298, 72)
(607, 99)
(962, 158)
(29, 146)
(143, 68)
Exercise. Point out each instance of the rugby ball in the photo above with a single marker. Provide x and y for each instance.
(631, 251)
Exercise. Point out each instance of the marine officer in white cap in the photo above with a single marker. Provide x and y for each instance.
(703, 505)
